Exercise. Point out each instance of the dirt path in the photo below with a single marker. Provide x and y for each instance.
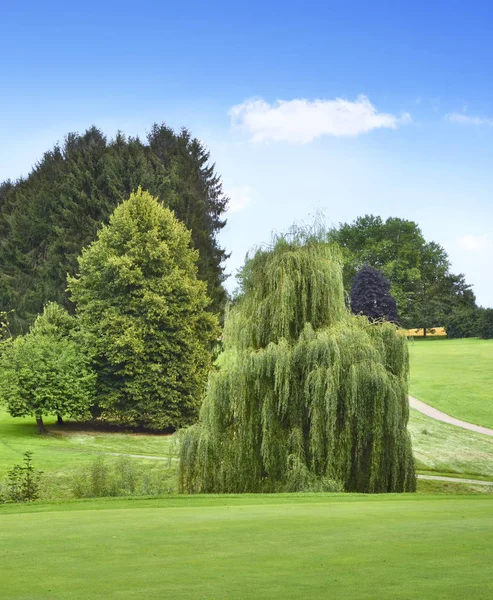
(429, 411)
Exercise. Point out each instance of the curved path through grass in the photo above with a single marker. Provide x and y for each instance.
(454, 376)
(434, 413)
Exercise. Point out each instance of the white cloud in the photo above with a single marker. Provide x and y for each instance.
(239, 197)
(301, 121)
(464, 119)
(475, 243)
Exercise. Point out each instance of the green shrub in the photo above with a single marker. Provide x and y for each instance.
(122, 477)
(22, 482)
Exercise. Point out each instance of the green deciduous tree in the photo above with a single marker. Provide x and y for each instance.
(421, 282)
(142, 314)
(43, 374)
(485, 324)
(307, 392)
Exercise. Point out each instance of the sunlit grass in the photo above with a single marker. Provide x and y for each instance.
(455, 376)
(250, 547)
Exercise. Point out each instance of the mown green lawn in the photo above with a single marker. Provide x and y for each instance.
(455, 376)
(250, 547)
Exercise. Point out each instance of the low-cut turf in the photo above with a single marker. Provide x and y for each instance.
(250, 547)
(455, 376)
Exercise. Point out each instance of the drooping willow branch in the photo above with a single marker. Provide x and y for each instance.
(308, 394)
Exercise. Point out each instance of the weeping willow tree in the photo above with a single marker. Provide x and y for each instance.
(307, 393)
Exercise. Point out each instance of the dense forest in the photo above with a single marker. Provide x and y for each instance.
(48, 217)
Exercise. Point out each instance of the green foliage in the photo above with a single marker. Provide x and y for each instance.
(485, 324)
(47, 218)
(120, 477)
(43, 373)
(4, 326)
(462, 323)
(307, 393)
(22, 482)
(421, 283)
(143, 317)
(54, 321)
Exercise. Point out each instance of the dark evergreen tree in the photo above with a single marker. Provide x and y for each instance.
(462, 322)
(370, 296)
(47, 218)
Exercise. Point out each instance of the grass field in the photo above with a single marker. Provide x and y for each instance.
(250, 547)
(66, 449)
(449, 450)
(455, 376)
(438, 448)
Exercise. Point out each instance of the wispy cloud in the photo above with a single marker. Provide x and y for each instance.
(465, 119)
(475, 243)
(239, 197)
(300, 121)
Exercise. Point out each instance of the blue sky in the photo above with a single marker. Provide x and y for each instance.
(341, 108)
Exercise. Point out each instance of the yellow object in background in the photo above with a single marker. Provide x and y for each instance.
(431, 332)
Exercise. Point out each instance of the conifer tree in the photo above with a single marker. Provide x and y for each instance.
(307, 394)
(142, 314)
(47, 218)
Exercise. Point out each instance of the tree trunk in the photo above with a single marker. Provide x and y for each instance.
(40, 425)
(59, 420)
(424, 332)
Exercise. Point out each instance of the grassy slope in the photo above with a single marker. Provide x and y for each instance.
(64, 450)
(266, 547)
(449, 450)
(455, 376)
(438, 448)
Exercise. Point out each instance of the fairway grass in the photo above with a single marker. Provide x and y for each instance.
(455, 376)
(250, 547)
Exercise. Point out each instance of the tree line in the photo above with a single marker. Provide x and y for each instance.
(139, 348)
(426, 292)
(111, 282)
(48, 217)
